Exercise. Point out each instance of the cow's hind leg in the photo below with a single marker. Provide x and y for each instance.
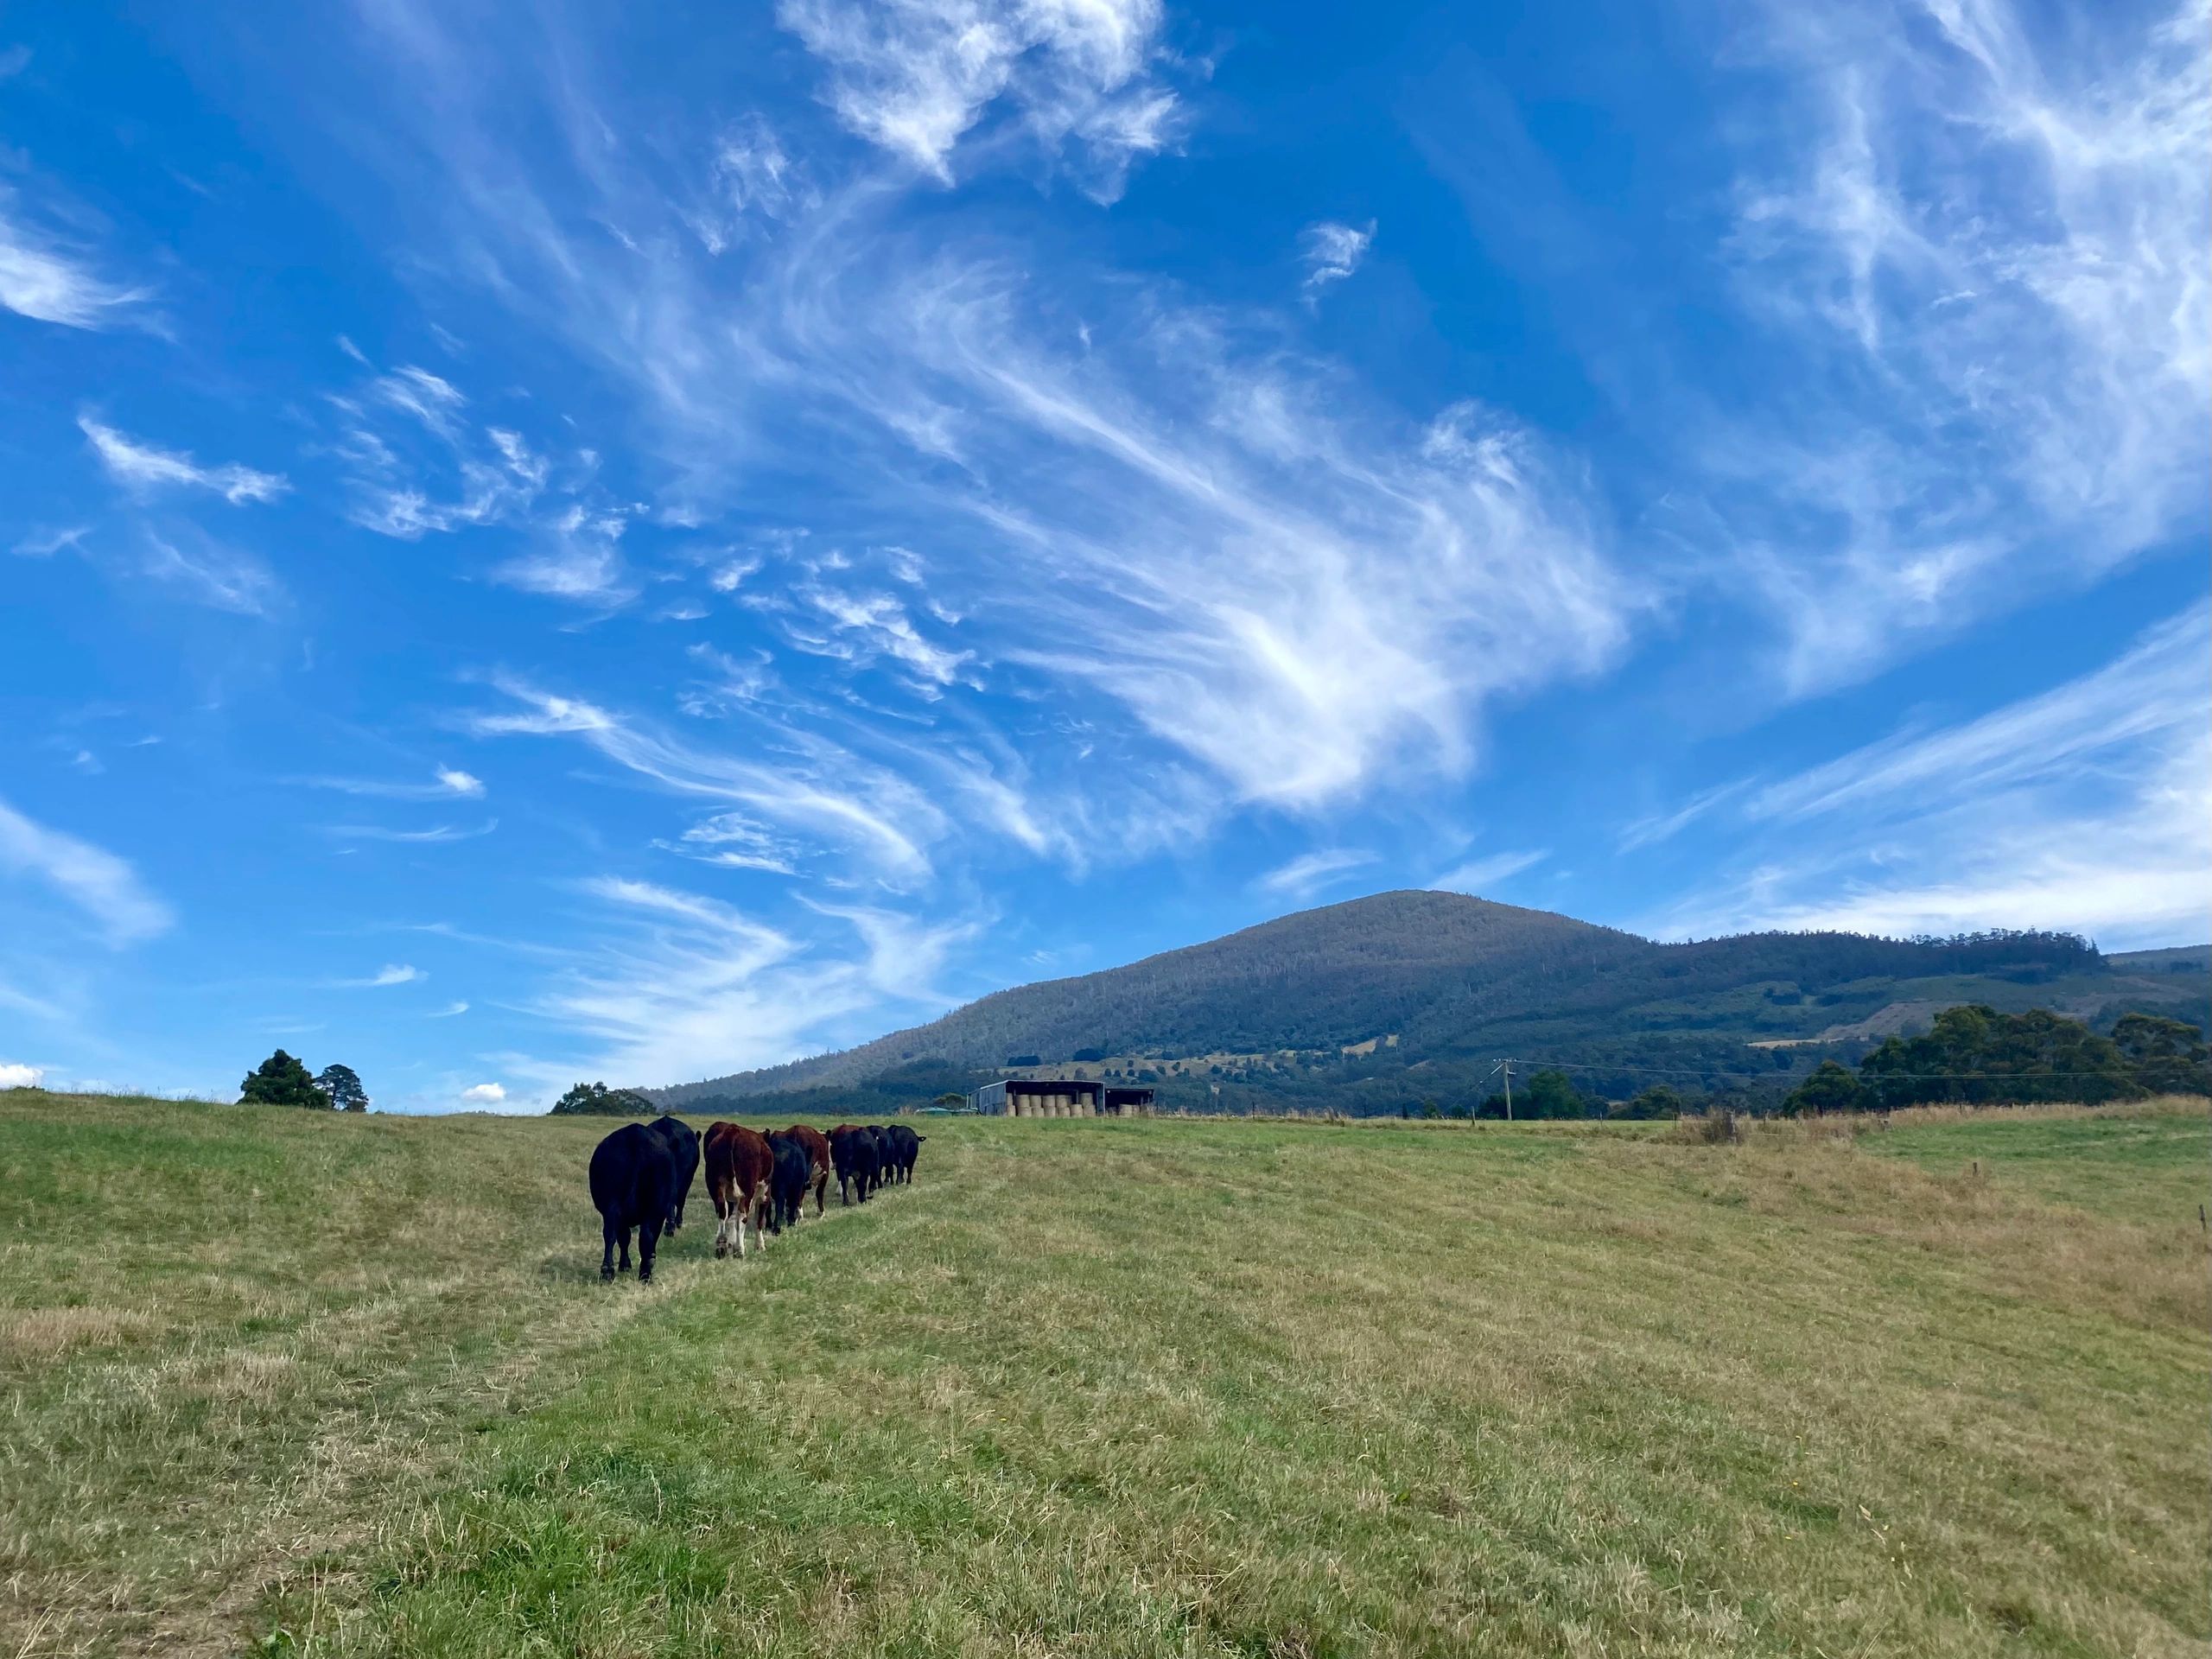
(648, 1242)
(607, 1254)
(821, 1188)
(623, 1234)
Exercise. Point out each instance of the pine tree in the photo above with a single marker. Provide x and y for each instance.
(280, 1080)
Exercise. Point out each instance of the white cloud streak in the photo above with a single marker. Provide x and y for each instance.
(96, 881)
(915, 76)
(1310, 872)
(689, 987)
(142, 466)
(392, 973)
(1988, 264)
(45, 543)
(433, 835)
(1331, 252)
(209, 573)
(826, 792)
(448, 783)
(2088, 807)
(1299, 591)
(48, 283)
(1478, 875)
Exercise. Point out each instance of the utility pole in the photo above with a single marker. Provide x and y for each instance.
(1509, 1091)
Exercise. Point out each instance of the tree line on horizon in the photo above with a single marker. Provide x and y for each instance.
(597, 1100)
(281, 1080)
(1973, 1055)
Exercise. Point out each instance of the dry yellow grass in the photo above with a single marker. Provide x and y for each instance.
(1115, 1389)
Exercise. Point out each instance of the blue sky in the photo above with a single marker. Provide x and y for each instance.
(633, 542)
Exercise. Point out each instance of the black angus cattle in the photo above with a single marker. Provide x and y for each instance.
(632, 1184)
(906, 1147)
(852, 1151)
(682, 1147)
(787, 1180)
(883, 1167)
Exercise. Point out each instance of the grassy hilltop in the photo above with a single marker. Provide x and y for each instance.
(290, 1382)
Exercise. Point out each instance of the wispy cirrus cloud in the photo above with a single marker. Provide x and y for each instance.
(431, 836)
(392, 973)
(1308, 874)
(823, 791)
(2087, 807)
(1331, 252)
(1298, 590)
(736, 842)
(209, 572)
(446, 783)
(1982, 251)
(44, 279)
(471, 476)
(916, 76)
(1479, 875)
(870, 626)
(144, 467)
(91, 879)
(1656, 827)
(685, 986)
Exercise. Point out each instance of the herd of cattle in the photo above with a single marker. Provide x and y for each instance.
(641, 1174)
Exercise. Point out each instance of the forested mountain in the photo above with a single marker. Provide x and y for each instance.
(1414, 996)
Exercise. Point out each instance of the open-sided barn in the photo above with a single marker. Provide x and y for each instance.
(1059, 1097)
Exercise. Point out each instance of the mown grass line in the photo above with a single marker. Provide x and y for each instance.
(1125, 1389)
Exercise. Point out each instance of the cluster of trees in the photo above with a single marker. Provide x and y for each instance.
(597, 1100)
(1974, 1054)
(281, 1080)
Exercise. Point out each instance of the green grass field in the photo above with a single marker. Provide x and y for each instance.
(277, 1382)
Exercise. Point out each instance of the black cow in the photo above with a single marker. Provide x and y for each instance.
(787, 1180)
(632, 1184)
(906, 1147)
(683, 1147)
(852, 1151)
(884, 1171)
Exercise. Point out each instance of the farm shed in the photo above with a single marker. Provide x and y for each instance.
(1058, 1098)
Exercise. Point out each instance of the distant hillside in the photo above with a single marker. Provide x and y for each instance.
(1410, 995)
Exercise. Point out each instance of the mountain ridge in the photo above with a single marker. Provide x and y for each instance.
(1276, 1009)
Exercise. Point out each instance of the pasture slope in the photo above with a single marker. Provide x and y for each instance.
(280, 1382)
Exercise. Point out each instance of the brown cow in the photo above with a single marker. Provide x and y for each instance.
(817, 1148)
(738, 1164)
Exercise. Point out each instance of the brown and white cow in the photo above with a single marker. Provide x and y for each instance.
(737, 1167)
(817, 1148)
